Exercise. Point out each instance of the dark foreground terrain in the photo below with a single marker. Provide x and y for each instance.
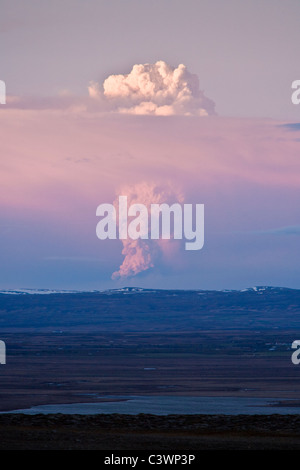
(71, 348)
(55, 368)
(148, 432)
(51, 368)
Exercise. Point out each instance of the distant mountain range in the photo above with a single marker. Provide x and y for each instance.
(133, 290)
(149, 310)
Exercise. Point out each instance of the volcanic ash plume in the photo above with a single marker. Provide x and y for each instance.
(141, 254)
(156, 89)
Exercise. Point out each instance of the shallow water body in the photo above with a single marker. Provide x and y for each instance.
(164, 405)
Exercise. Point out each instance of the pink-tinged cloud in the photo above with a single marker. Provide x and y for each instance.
(149, 89)
(155, 89)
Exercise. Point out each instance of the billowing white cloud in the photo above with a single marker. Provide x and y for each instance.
(155, 89)
(141, 254)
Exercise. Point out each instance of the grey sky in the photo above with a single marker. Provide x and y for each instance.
(244, 53)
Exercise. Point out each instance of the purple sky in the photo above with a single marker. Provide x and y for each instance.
(217, 130)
